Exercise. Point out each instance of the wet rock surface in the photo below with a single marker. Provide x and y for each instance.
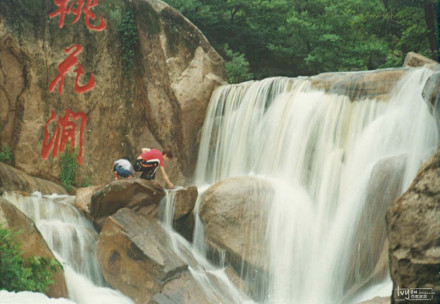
(413, 229)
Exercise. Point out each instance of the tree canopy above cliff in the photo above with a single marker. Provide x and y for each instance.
(303, 37)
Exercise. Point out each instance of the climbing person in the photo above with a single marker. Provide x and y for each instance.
(150, 160)
(123, 168)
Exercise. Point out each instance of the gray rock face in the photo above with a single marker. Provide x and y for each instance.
(413, 228)
(137, 194)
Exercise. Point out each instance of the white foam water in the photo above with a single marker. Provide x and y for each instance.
(72, 239)
(323, 153)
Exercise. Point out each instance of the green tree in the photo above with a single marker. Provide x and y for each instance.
(303, 37)
(237, 66)
(18, 274)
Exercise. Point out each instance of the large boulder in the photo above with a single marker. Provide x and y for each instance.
(161, 102)
(234, 213)
(413, 229)
(414, 60)
(135, 193)
(33, 243)
(12, 179)
(135, 255)
(359, 85)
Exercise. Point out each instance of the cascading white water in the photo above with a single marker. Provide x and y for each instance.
(72, 239)
(214, 281)
(323, 153)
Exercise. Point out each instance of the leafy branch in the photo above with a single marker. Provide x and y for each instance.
(17, 274)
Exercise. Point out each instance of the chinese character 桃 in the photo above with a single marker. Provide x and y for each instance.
(65, 9)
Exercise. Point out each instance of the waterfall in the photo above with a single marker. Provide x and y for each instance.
(213, 279)
(336, 165)
(72, 239)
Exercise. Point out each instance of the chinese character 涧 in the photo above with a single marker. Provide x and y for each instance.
(65, 9)
(65, 131)
(65, 66)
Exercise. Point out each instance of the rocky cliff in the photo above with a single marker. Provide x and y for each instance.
(66, 77)
(413, 228)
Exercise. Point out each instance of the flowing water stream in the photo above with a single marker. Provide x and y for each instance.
(334, 165)
(72, 239)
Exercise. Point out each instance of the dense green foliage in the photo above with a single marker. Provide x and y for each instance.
(304, 37)
(18, 274)
(237, 67)
(68, 168)
(128, 32)
(6, 155)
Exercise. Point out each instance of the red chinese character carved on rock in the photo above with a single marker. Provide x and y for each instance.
(64, 9)
(64, 132)
(65, 66)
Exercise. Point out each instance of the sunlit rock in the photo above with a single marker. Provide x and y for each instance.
(416, 60)
(33, 243)
(137, 194)
(413, 229)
